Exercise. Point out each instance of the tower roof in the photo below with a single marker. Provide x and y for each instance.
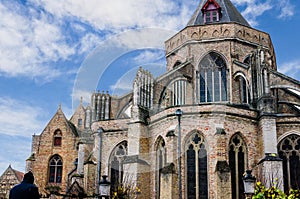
(228, 11)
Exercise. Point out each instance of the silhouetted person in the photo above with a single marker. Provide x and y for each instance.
(26, 189)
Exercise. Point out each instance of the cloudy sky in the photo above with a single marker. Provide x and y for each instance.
(54, 51)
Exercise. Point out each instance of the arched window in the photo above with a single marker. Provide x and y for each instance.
(160, 162)
(211, 79)
(289, 152)
(55, 169)
(57, 138)
(178, 92)
(116, 164)
(196, 167)
(237, 164)
(242, 89)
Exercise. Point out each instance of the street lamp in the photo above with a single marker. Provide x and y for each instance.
(99, 131)
(104, 187)
(249, 183)
(178, 113)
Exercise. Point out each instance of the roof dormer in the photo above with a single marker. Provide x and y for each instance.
(216, 11)
(211, 12)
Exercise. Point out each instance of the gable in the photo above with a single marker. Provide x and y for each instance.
(210, 5)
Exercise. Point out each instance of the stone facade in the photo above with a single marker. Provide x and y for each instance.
(236, 110)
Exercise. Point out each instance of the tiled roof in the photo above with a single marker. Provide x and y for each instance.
(228, 10)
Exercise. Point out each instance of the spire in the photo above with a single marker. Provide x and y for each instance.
(226, 12)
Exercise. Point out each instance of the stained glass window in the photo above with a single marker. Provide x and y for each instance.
(55, 169)
(289, 151)
(116, 164)
(237, 164)
(196, 171)
(212, 79)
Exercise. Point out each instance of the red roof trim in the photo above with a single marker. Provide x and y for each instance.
(211, 2)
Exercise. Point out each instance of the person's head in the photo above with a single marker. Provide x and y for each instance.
(28, 177)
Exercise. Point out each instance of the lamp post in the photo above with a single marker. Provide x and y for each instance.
(99, 131)
(178, 113)
(104, 187)
(249, 183)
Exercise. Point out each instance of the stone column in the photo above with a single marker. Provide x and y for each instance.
(270, 166)
(167, 182)
(222, 172)
(136, 167)
(80, 159)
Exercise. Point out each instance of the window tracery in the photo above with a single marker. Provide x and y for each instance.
(116, 164)
(237, 164)
(289, 152)
(212, 79)
(196, 167)
(55, 169)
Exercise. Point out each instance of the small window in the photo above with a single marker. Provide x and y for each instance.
(211, 16)
(57, 138)
(211, 11)
(79, 122)
(57, 141)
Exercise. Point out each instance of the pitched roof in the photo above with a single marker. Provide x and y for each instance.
(18, 174)
(228, 10)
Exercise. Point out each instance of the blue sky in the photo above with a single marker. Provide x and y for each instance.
(53, 52)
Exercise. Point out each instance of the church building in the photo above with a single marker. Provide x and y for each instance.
(221, 108)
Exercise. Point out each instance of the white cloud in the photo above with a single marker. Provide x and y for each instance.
(148, 56)
(29, 44)
(14, 152)
(19, 118)
(287, 9)
(291, 69)
(78, 94)
(125, 83)
(34, 37)
(88, 42)
(255, 8)
(118, 14)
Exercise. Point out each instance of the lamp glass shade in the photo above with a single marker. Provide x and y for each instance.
(249, 182)
(249, 186)
(104, 189)
(104, 186)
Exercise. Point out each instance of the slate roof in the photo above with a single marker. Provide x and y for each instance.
(228, 10)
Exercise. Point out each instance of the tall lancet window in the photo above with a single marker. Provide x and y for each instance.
(196, 167)
(178, 92)
(55, 169)
(237, 164)
(211, 79)
(242, 89)
(160, 162)
(289, 152)
(116, 164)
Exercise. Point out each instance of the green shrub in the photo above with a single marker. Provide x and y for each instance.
(261, 192)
